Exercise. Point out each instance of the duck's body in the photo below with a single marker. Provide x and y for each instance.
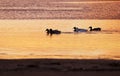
(95, 29)
(50, 31)
(79, 30)
(55, 32)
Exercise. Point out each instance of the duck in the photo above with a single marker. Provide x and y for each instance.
(51, 31)
(95, 29)
(76, 29)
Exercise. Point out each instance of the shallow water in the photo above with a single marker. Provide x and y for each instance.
(27, 39)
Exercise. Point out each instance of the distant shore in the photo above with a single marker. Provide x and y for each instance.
(59, 67)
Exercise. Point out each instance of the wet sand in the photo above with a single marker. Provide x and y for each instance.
(59, 67)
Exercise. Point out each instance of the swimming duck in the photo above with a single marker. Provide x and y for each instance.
(95, 29)
(51, 31)
(76, 29)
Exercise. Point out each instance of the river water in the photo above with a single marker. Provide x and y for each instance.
(27, 39)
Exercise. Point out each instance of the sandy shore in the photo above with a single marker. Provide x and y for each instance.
(59, 67)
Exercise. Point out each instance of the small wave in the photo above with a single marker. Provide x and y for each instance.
(93, 32)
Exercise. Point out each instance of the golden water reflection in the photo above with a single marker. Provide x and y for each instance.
(36, 44)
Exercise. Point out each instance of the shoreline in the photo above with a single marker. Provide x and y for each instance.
(59, 67)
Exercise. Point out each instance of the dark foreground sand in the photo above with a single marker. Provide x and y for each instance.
(59, 67)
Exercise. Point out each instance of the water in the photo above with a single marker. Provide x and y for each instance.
(27, 39)
(59, 9)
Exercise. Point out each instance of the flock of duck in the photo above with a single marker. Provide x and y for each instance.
(76, 29)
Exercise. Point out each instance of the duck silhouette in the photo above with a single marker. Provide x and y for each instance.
(51, 31)
(95, 29)
(76, 29)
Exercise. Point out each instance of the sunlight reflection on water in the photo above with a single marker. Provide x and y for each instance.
(36, 44)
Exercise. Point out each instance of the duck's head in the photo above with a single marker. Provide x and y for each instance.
(74, 27)
(90, 26)
(47, 30)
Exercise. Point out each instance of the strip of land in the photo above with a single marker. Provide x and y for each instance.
(59, 67)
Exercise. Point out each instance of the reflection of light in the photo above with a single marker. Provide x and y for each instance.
(73, 2)
(96, 53)
(37, 44)
(63, 25)
(39, 8)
